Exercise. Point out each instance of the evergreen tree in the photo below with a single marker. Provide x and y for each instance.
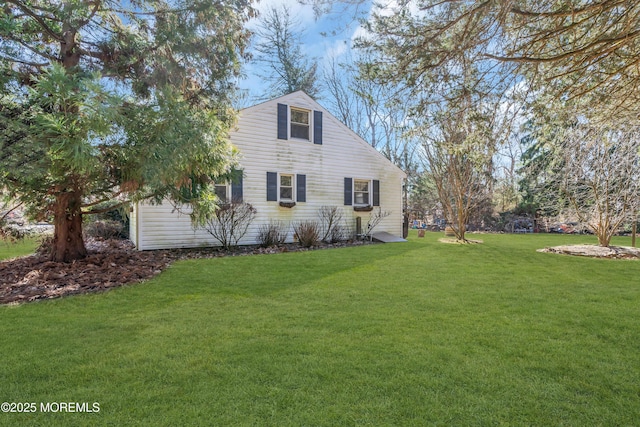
(569, 48)
(280, 49)
(104, 103)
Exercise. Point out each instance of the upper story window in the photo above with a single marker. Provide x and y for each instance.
(361, 192)
(300, 123)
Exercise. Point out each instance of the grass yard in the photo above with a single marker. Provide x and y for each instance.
(22, 247)
(417, 333)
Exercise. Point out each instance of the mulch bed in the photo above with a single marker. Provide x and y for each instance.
(593, 251)
(110, 263)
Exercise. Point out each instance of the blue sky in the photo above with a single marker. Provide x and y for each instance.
(343, 22)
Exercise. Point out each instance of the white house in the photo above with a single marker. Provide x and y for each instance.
(295, 158)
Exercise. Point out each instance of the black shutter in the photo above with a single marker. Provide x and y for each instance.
(348, 191)
(317, 127)
(283, 119)
(301, 188)
(376, 192)
(272, 187)
(236, 188)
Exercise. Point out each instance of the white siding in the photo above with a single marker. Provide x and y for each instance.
(342, 154)
(133, 225)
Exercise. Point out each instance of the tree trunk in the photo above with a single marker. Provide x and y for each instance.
(68, 244)
(460, 229)
(604, 237)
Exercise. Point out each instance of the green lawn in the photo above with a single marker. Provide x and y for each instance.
(417, 333)
(21, 247)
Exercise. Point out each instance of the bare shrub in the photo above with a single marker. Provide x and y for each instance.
(331, 224)
(230, 223)
(374, 219)
(104, 229)
(338, 233)
(272, 234)
(348, 231)
(600, 179)
(307, 233)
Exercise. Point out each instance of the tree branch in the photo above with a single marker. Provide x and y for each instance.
(36, 18)
(605, 5)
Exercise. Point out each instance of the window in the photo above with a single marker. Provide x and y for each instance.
(360, 192)
(230, 192)
(299, 123)
(221, 193)
(286, 187)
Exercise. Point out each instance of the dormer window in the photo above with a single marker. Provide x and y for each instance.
(299, 123)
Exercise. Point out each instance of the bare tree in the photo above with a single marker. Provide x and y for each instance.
(375, 109)
(457, 154)
(602, 176)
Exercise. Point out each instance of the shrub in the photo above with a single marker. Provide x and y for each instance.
(374, 219)
(271, 234)
(331, 224)
(9, 233)
(104, 229)
(230, 223)
(10, 224)
(307, 233)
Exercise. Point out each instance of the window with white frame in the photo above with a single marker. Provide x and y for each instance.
(300, 123)
(286, 188)
(361, 192)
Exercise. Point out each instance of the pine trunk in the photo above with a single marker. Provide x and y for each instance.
(68, 244)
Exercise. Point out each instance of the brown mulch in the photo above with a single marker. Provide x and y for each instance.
(110, 263)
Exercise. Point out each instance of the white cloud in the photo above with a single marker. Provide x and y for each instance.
(337, 49)
(303, 14)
